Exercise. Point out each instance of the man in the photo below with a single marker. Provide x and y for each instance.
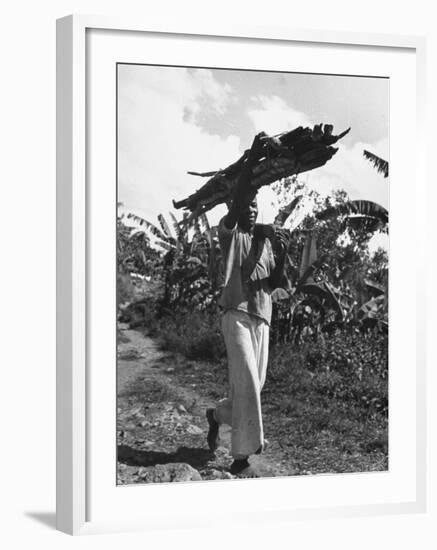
(251, 273)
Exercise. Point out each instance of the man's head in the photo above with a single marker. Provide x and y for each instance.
(248, 216)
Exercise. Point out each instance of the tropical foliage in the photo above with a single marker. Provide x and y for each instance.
(380, 164)
(186, 260)
(326, 393)
(334, 281)
(336, 286)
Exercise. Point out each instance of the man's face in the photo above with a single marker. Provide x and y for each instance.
(248, 217)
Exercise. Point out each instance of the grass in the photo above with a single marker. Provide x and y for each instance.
(326, 410)
(326, 419)
(196, 335)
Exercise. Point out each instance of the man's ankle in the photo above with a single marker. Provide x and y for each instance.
(211, 414)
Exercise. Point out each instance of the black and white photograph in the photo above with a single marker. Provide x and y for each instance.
(252, 274)
(224, 264)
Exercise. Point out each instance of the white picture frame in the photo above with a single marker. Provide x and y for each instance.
(73, 341)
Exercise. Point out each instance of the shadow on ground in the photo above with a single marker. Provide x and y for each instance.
(46, 518)
(193, 456)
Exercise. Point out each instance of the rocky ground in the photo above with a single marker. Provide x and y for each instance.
(161, 424)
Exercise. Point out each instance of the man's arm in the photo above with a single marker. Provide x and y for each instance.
(282, 242)
(244, 193)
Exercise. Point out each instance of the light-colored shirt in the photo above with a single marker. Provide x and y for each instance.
(248, 263)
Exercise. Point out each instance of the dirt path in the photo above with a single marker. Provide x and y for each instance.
(161, 423)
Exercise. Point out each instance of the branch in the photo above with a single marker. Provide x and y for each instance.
(280, 156)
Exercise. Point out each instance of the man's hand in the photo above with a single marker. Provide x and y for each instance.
(282, 241)
(280, 249)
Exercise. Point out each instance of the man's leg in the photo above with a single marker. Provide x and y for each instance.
(260, 340)
(213, 430)
(223, 410)
(245, 406)
(246, 340)
(221, 414)
(262, 351)
(262, 355)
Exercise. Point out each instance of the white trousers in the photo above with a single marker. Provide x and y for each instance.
(247, 344)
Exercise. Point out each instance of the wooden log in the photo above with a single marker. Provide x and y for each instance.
(283, 155)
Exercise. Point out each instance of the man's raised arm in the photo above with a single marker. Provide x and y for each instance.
(244, 193)
(282, 238)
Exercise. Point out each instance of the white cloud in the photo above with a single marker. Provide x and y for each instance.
(159, 141)
(378, 240)
(347, 170)
(273, 115)
(158, 144)
(203, 84)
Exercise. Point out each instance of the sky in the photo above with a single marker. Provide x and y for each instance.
(175, 119)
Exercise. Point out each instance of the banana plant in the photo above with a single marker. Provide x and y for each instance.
(190, 258)
(380, 164)
(163, 240)
(308, 302)
(368, 214)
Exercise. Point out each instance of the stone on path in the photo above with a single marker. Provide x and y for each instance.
(194, 430)
(167, 473)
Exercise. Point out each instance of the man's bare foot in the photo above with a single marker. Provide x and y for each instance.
(213, 432)
(242, 468)
(239, 465)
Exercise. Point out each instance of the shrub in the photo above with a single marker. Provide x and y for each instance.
(347, 369)
(125, 288)
(351, 368)
(196, 335)
(351, 353)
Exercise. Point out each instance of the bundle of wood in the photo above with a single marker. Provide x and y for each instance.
(283, 155)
